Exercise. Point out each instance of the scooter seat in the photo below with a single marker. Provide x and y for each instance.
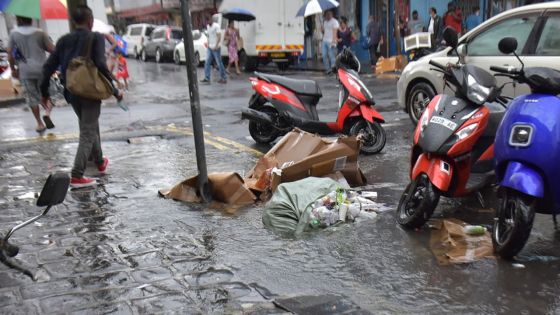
(302, 87)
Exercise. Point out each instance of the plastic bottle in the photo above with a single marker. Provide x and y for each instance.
(475, 229)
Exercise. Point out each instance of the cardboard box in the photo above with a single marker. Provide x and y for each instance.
(6, 88)
(227, 189)
(390, 64)
(300, 154)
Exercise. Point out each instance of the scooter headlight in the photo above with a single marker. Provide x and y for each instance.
(521, 136)
(467, 131)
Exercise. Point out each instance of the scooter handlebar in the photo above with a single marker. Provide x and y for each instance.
(437, 64)
(508, 70)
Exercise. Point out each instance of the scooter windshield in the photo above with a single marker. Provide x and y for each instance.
(478, 85)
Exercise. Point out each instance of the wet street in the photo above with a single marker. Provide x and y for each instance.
(120, 248)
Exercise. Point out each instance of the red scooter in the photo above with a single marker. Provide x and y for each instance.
(453, 149)
(280, 104)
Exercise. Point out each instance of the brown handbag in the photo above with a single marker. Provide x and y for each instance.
(83, 77)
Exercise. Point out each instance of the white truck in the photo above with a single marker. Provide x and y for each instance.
(276, 35)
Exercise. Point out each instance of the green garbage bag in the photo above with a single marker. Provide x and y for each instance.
(289, 209)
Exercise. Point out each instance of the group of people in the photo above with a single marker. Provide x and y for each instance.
(27, 53)
(338, 36)
(231, 39)
(453, 18)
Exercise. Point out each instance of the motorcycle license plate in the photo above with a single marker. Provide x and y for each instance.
(444, 122)
(278, 55)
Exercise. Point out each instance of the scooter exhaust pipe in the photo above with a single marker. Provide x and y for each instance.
(257, 116)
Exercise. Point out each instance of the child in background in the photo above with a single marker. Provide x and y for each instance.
(122, 70)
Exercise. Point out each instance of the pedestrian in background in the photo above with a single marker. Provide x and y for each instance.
(29, 45)
(375, 35)
(415, 25)
(213, 54)
(435, 27)
(473, 20)
(231, 40)
(122, 70)
(453, 17)
(67, 48)
(330, 40)
(345, 35)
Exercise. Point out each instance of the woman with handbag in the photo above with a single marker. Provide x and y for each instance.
(87, 81)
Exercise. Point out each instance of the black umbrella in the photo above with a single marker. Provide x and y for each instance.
(238, 14)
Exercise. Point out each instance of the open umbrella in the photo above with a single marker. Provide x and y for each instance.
(102, 27)
(238, 14)
(316, 6)
(36, 9)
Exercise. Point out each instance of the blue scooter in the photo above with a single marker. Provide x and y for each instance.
(527, 154)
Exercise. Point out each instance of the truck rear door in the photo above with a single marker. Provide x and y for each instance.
(269, 25)
(293, 30)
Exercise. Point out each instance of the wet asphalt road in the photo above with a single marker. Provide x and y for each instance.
(120, 248)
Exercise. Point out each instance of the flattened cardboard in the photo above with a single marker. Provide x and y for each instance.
(227, 188)
(301, 154)
(451, 245)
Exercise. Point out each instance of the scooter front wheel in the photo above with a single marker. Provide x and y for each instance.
(372, 135)
(417, 203)
(513, 223)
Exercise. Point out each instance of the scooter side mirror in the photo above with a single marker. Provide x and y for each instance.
(54, 191)
(507, 45)
(450, 37)
(462, 52)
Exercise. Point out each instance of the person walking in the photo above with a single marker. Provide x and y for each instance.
(473, 20)
(415, 25)
(344, 35)
(213, 54)
(330, 40)
(30, 44)
(231, 40)
(67, 48)
(453, 17)
(435, 27)
(375, 34)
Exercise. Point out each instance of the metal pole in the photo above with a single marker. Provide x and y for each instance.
(202, 184)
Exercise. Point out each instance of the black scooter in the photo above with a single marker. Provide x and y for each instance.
(53, 193)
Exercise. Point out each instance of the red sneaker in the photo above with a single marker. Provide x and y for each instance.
(103, 167)
(82, 182)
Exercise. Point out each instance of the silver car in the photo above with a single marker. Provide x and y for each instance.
(537, 30)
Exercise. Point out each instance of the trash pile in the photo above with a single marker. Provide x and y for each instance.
(315, 202)
(297, 155)
(341, 205)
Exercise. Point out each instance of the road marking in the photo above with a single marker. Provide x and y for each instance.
(220, 143)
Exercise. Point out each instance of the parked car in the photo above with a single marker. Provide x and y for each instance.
(161, 43)
(200, 42)
(536, 28)
(136, 35)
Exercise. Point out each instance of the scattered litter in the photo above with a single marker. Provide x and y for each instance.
(518, 266)
(29, 195)
(143, 286)
(369, 194)
(451, 244)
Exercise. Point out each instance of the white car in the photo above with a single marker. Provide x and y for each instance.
(536, 28)
(136, 36)
(200, 42)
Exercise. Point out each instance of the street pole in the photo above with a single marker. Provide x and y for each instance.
(203, 186)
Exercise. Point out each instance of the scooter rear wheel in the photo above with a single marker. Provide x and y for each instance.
(264, 133)
(372, 134)
(417, 203)
(513, 223)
